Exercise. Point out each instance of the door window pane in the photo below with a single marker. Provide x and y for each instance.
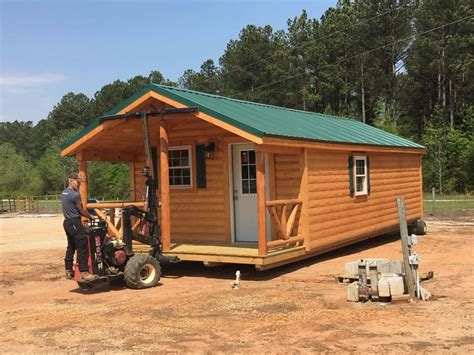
(248, 172)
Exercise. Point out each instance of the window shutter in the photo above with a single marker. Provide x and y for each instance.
(351, 175)
(201, 166)
(368, 175)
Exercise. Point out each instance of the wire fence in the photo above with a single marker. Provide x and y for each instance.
(31, 204)
(435, 203)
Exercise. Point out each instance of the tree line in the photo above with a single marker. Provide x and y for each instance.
(405, 66)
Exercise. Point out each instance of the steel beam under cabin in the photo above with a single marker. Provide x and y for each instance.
(164, 188)
(261, 208)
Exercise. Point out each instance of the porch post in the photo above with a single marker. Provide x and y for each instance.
(165, 189)
(262, 235)
(83, 174)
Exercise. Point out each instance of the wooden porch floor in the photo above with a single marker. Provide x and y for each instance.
(236, 254)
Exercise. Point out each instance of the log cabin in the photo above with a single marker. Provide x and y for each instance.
(244, 182)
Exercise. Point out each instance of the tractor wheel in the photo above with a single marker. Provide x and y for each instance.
(142, 271)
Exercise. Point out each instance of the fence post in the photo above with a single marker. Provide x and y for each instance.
(433, 202)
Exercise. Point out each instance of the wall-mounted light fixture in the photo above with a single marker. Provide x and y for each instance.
(210, 148)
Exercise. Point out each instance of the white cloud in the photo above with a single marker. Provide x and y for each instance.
(28, 80)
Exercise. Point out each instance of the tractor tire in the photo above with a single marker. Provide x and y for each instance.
(420, 228)
(142, 271)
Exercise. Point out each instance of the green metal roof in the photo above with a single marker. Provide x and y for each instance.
(272, 121)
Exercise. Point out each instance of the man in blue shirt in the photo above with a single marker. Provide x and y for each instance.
(76, 236)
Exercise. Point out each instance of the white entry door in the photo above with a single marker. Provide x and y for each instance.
(244, 192)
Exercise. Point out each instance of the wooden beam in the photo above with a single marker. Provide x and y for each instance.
(283, 202)
(304, 196)
(271, 186)
(164, 189)
(278, 150)
(108, 155)
(291, 219)
(115, 204)
(83, 174)
(226, 187)
(71, 148)
(283, 221)
(110, 225)
(90, 137)
(421, 188)
(201, 115)
(261, 210)
(295, 143)
(280, 242)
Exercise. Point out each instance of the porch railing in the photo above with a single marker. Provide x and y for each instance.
(283, 214)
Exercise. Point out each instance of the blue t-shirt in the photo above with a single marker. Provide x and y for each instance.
(69, 199)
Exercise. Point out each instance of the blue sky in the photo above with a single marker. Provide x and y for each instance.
(49, 48)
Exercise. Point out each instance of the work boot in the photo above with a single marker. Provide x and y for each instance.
(85, 276)
(69, 275)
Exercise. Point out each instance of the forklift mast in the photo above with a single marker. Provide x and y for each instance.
(149, 229)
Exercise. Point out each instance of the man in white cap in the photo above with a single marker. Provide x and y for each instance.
(76, 235)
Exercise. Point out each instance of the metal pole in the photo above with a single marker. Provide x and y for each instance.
(405, 249)
(433, 202)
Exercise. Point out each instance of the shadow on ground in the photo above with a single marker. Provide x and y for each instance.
(227, 271)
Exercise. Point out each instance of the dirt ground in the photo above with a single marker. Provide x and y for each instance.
(297, 308)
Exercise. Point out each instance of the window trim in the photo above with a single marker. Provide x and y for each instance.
(189, 148)
(364, 192)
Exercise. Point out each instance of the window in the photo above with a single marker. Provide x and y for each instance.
(360, 175)
(180, 167)
(248, 170)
